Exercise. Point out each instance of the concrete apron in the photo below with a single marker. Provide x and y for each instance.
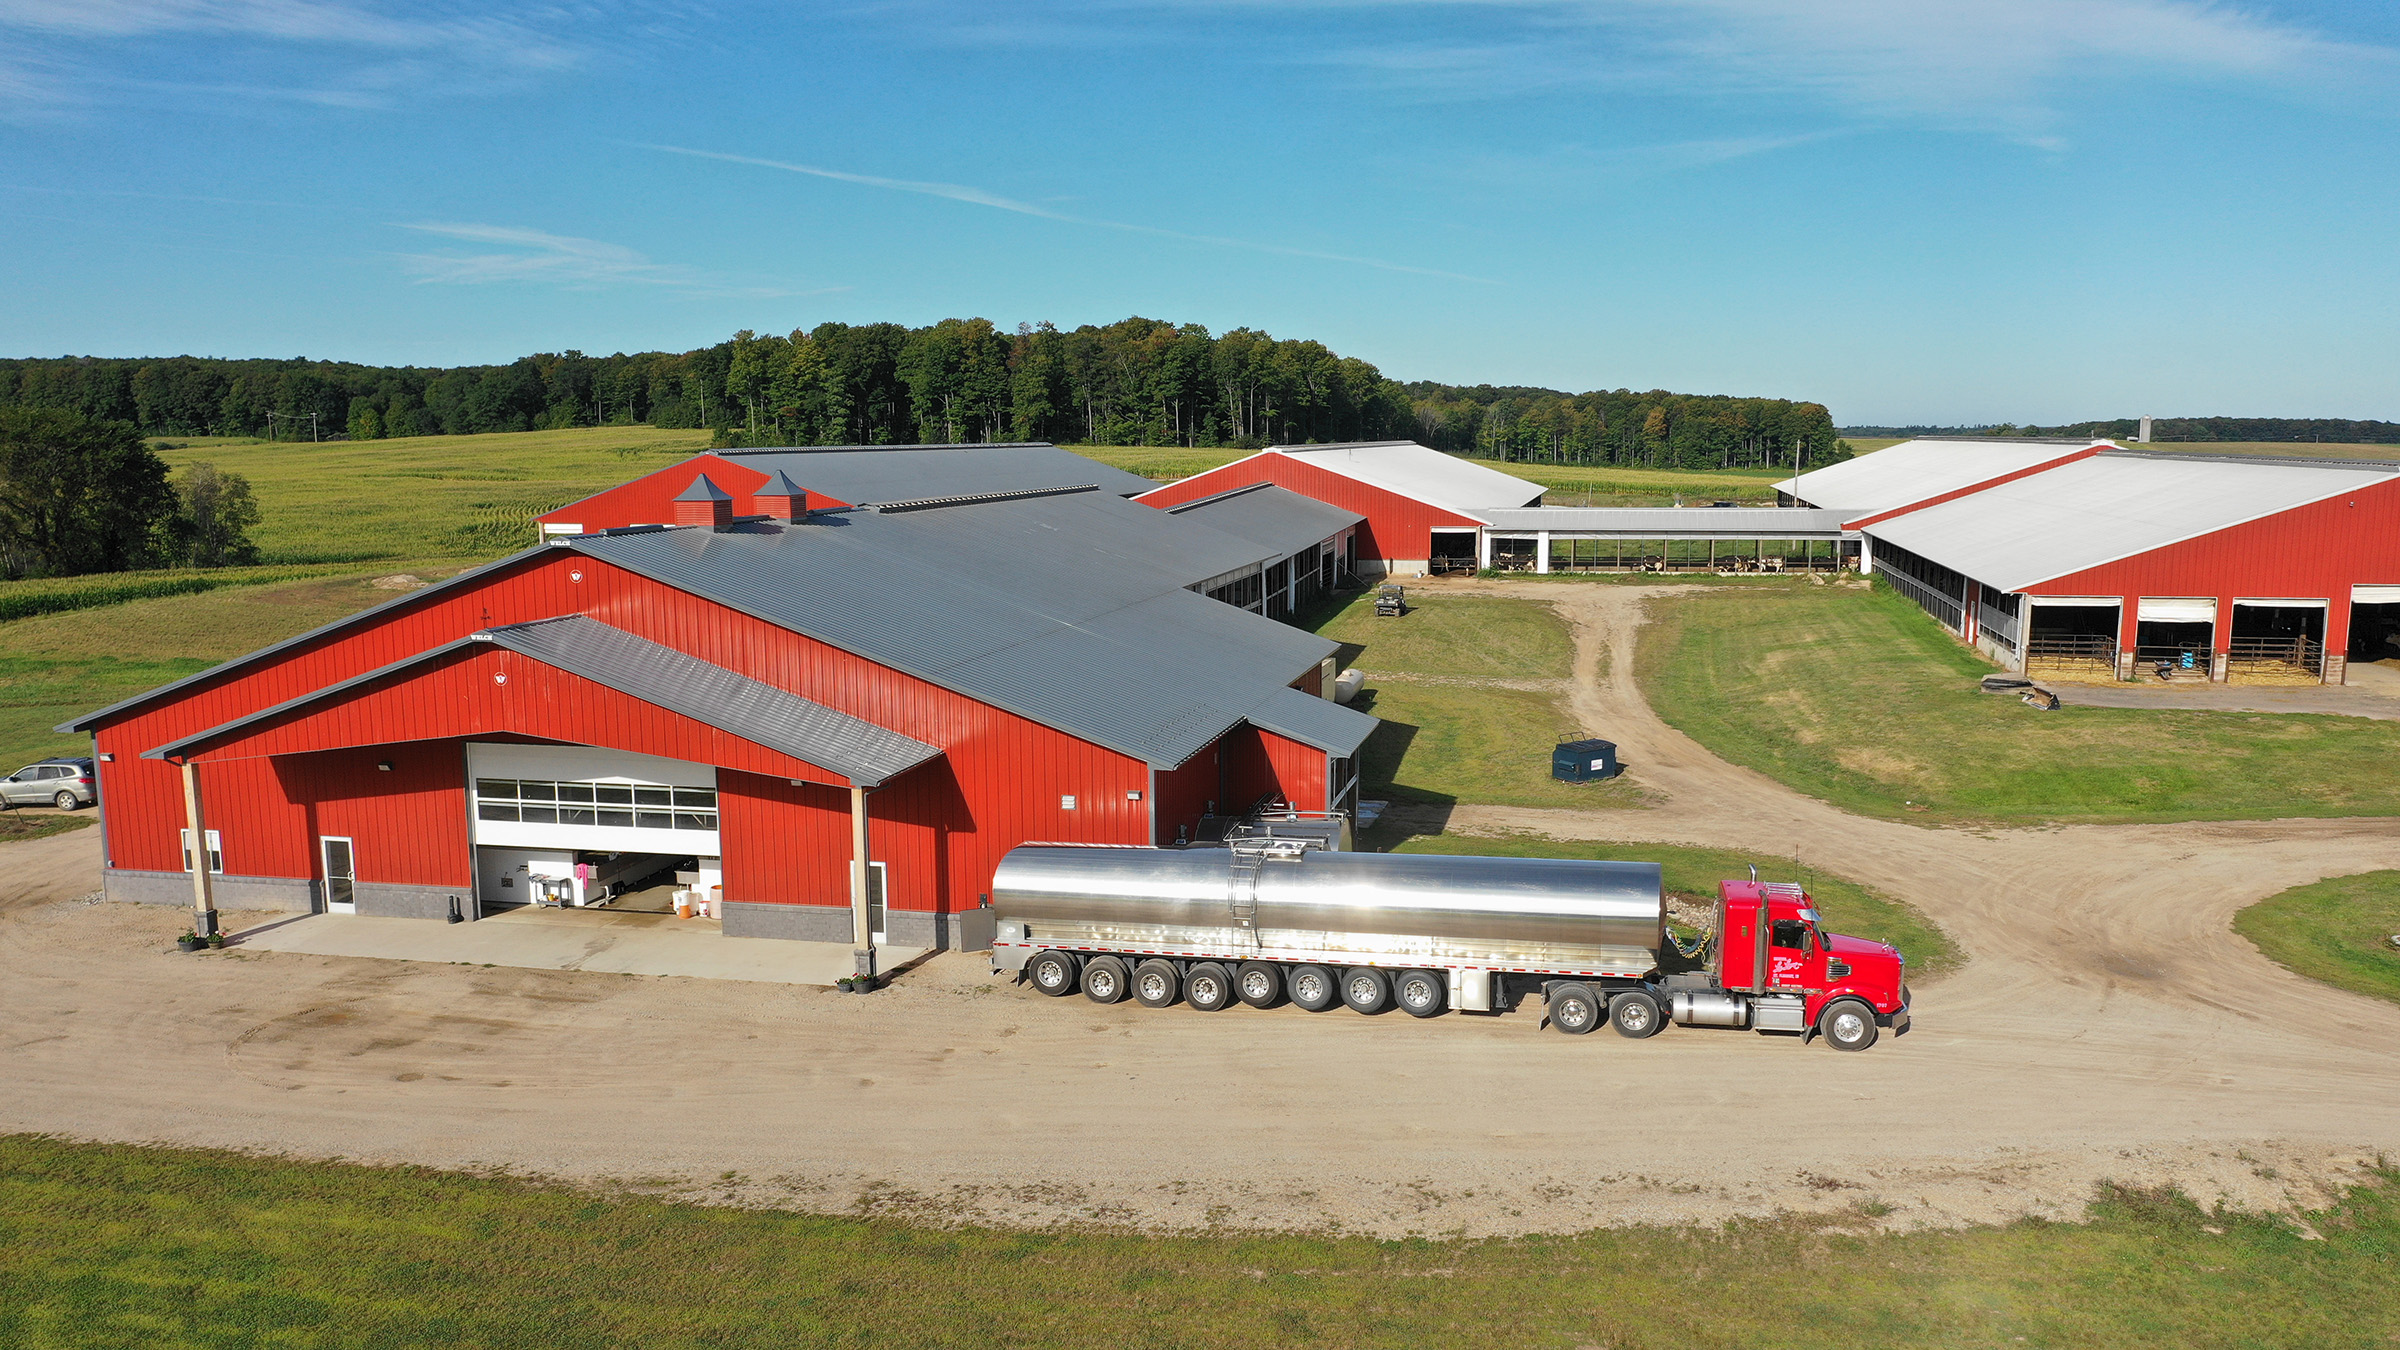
(569, 939)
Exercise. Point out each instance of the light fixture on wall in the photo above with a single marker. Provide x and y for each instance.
(383, 766)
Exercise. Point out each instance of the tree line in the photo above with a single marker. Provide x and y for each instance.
(81, 494)
(1135, 382)
(2330, 430)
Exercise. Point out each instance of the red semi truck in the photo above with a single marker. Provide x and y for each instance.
(1262, 921)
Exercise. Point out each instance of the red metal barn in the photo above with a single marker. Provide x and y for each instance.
(1417, 505)
(737, 700)
(2229, 568)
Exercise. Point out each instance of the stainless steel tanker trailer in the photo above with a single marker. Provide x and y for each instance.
(1428, 933)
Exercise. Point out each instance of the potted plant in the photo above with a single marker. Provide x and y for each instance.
(190, 941)
(844, 984)
(862, 984)
(216, 941)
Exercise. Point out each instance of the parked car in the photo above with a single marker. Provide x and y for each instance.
(63, 783)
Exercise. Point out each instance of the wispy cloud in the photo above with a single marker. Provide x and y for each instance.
(324, 52)
(524, 255)
(975, 196)
(1986, 64)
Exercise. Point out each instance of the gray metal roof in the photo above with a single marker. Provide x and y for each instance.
(860, 751)
(1069, 609)
(1690, 522)
(1277, 517)
(1913, 471)
(896, 473)
(1320, 722)
(2111, 506)
(703, 489)
(1419, 473)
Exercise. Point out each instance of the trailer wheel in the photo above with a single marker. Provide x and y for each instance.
(1104, 980)
(1207, 987)
(1156, 983)
(1635, 1015)
(1365, 989)
(1314, 989)
(1574, 1008)
(1421, 992)
(1848, 1024)
(1259, 984)
(1052, 972)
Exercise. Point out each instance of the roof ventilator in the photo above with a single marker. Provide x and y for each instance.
(981, 498)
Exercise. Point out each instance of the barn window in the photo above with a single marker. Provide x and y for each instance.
(216, 852)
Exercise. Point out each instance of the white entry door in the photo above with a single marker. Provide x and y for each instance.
(341, 874)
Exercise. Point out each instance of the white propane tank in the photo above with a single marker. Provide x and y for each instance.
(1347, 684)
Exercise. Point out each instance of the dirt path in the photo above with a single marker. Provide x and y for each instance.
(2108, 1025)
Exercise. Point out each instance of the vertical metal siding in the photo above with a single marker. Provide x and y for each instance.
(999, 783)
(1260, 762)
(409, 825)
(650, 499)
(1395, 526)
(1182, 794)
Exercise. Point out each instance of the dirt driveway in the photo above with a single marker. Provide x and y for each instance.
(2108, 1025)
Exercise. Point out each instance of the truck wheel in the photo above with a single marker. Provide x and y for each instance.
(1421, 992)
(1848, 1024)
(1635, 1015)
(1104, 980)
(1365, 989)
(1052, 972)
(1258, 984)
(1207, 987)
(1314, 989)
(1574, 1009)
(1156, 983)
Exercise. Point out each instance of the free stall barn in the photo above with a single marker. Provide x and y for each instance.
(831, 683)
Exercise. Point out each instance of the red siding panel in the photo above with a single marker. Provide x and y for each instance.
(409, 825)
(1182, 795)
(1258, 763)
(2313, 552)
(650, 499)
(1396, 527)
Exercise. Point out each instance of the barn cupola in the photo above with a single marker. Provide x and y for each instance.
(704, 503)
(780, 498)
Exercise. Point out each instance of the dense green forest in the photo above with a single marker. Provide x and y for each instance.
(2331, 430)
(1134, 382)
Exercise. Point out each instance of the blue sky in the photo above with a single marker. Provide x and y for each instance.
(1910, 210)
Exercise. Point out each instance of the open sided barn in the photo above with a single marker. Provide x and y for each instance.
(2066, 558)
(811, 705)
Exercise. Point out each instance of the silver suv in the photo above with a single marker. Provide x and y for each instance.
(63, 783)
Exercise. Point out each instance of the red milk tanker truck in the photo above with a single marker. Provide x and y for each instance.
(1262, 921)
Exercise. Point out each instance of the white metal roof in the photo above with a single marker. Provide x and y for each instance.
(1419, 473)
(1661, 522)
(2108, 507)
(1915, 470)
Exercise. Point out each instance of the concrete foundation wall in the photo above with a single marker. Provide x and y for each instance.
(292, 895)
(415, 902)
(798, 923)
(971, 931)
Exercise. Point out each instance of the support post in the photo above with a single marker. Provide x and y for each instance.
(1541, 552)
(204, 893)
(862, 937)
(1483, 550)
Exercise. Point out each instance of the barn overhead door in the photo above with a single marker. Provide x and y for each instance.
(2284, 604)
(2375, 595)
(2159, 609)
(579, 797)
(2078, 601)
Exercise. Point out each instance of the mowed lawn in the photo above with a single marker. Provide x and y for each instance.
(427, 496)
(2339, 930)
(1448, 678)
(1858, 698)
(56, 666)
(121, 1246)
(1692, 874)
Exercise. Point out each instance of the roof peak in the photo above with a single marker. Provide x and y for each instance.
(703, 489)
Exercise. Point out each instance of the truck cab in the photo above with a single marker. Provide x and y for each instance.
(1773, 967)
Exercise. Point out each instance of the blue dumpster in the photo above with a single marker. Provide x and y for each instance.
(1584, 761)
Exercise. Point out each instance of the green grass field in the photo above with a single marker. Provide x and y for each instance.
(1858, 698)
(427, 496)
(107, 1246)
(1693, 873)
(2339, 930)
(1455, 730)
(55, 666)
